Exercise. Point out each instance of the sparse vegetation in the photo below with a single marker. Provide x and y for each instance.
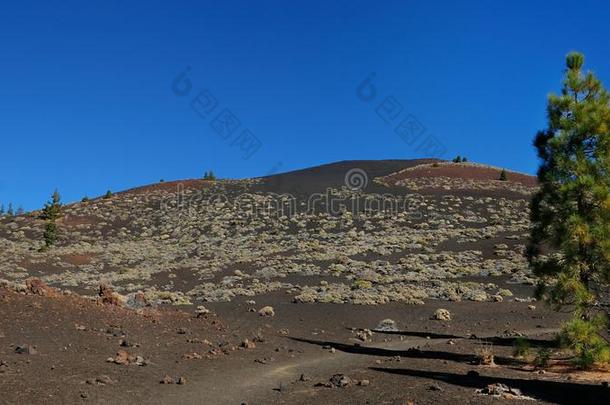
(209, 176)
(85, 199)
(460, 159)
(485, 354)
(571, 212)
(108, 194)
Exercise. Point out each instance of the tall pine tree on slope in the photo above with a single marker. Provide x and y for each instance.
(569, 247)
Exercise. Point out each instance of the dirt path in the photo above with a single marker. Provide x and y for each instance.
(247, 383)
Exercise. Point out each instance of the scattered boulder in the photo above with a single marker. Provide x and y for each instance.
(124, 358)
(192, 355)
(387, 325)
(37, 287)
(502, 391)
(26, 349)
(247, 344)
(108, 296)
(266, 311)
(442, 314)
(137, 300)
(101, 380)
(167, 380)
(364, 334)
(340, 381)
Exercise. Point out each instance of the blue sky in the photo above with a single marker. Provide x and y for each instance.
(87, 102)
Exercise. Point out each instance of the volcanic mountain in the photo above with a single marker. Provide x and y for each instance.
(293, 268)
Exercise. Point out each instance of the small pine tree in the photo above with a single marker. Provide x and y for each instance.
(50, 234)
(108, 194)
(85, 199)
(503, 175)
(10, 212)
(457, 159)
(1, 210)
(52, 209)
(464, 160)
(209, 176)
(20, 211)
(50, 213)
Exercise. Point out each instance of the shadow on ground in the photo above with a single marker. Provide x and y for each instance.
(552, 391)
(411, 353)
(494, 340)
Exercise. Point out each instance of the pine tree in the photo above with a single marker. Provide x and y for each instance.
(10, 212)
(108, 194)
(503, 175)
(50, 234)
(52, 209)
(571, 212)
(20, 210)
(1, 210)
(50, 213)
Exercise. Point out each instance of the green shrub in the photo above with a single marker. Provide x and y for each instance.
(584, 338)
(522, 347)
(543, 355)
(108, 194)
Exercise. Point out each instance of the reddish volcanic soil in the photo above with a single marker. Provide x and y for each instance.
(461, 171)
(55, 349)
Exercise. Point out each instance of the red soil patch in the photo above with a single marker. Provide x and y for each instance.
(170, 186)
(77, 259)
(73, 221)
(461, 171)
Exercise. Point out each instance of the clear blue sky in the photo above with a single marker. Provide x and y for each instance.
(87, 102)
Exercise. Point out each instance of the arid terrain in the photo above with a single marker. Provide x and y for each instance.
(360, 282)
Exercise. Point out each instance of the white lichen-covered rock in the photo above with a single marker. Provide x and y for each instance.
(266, 311)
(441, 314)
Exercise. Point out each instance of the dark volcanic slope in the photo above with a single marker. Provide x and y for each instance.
(318, 179)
